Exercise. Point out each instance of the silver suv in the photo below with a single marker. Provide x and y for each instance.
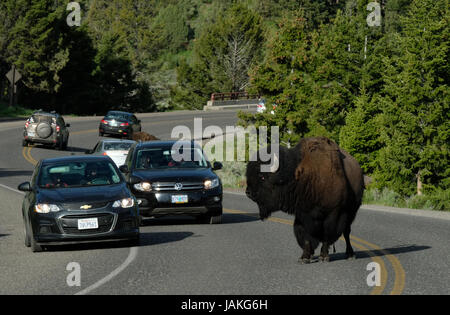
(46, 128)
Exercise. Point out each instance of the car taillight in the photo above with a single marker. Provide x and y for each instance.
(27, 124)
(104, 153)
(104, 122)
(58, 129)
(124, 124)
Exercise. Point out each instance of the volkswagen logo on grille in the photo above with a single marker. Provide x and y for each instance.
(178, 186)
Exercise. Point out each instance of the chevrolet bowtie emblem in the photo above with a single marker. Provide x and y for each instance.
(85, 207)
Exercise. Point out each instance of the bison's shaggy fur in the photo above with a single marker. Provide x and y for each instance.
(143, 136)
(319, 183)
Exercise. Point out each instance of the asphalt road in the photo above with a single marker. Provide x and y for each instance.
(241, 256)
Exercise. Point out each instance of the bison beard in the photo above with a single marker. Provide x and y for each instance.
(319, 183)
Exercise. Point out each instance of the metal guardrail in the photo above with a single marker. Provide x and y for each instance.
(232, 100)
(233, 96)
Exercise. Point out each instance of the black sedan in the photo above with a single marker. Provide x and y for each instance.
(78, 199)
(168, 184)
(119, 124)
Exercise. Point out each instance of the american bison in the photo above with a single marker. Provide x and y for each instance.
(319, 183)
(143, 136)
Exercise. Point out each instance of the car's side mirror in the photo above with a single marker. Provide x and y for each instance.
(139, 121)
(67, 125)
(124, 169)
(25, 187)
(217, 166)
(134, 180)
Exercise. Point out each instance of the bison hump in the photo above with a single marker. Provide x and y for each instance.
(320, 173)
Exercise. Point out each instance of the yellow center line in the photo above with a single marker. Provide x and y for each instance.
(400, 276)
(383, 271)
(27, 155)
(357, 242)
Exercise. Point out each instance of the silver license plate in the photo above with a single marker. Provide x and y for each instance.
(88, 224)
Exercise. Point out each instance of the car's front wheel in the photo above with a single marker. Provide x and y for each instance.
(35, 247)
(60, 145)
(24, 143)
(215, 219)
(210, 218)
(26, 235)
(134, 242)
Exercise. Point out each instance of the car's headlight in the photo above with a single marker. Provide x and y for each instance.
(124, 203)
(144, 186)
(46, 208)
(211, 183)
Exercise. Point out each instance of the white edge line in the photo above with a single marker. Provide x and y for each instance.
(12, 189)
(131, 257)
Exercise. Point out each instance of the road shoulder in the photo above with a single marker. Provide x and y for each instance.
(442, 215)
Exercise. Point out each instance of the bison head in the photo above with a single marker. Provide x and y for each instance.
(266, 187)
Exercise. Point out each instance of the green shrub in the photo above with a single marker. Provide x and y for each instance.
(438, 199)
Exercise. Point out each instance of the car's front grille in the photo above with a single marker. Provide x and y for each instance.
(174, 186)
(90, 206)
(69, 223)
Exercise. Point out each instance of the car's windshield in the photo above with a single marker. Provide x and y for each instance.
(78, 174)
(166, 158)
(119, 116)
(117, 146)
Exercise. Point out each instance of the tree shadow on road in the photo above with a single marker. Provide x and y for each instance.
(227, 218)
(12, 172)
(76, 149)
(155, 238)
(69, 149)
(381, 252)
(146, 239)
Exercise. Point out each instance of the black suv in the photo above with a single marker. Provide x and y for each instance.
(46, 128)
(120, 124)
(174, 178)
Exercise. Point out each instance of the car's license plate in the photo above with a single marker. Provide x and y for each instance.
(88, 224)
(114, 124)
(180, 199)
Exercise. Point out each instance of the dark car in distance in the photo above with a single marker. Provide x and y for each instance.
(119, 124)
(167, 185)
(78, 199)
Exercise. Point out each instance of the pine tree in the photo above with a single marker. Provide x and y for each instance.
(223, 56)
(36, 45)
(415, 108)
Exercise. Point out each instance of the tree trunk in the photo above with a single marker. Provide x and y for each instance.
(419, 185)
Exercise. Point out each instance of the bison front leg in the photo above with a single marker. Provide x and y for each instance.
(304, 242)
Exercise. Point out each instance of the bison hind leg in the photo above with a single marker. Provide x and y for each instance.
(349, 253)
